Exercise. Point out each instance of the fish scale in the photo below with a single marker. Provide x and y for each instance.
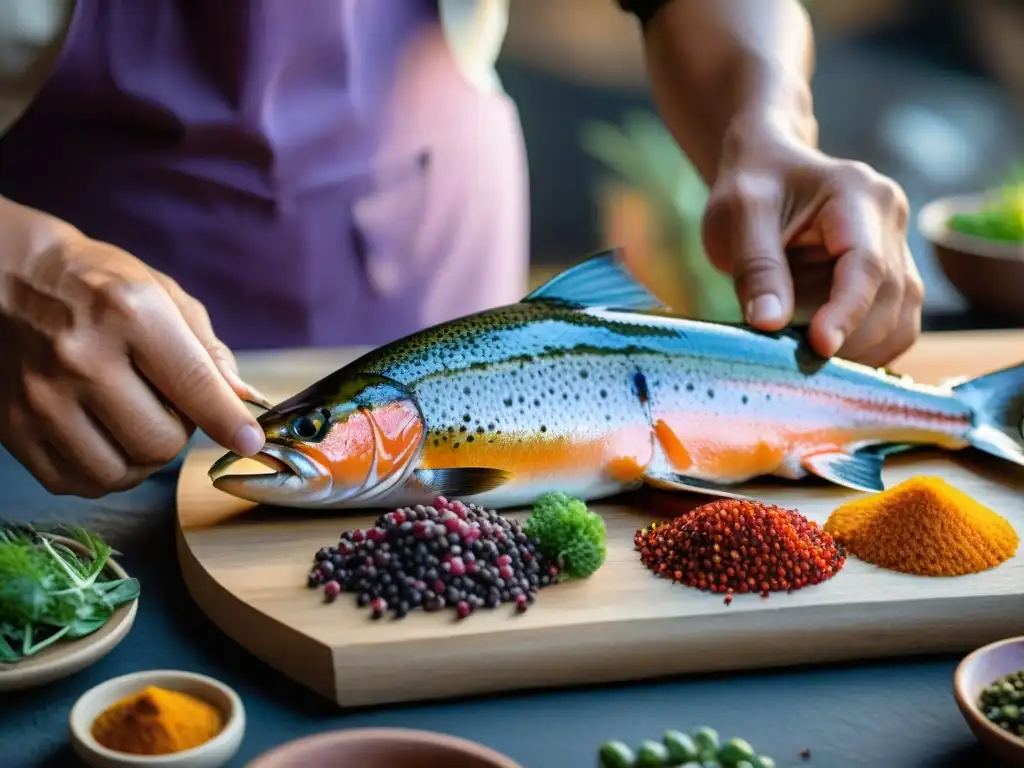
(590, 387)
(572, 394)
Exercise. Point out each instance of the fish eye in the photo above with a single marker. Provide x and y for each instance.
(311, 426)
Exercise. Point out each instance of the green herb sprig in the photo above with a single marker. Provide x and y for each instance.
(49, 592)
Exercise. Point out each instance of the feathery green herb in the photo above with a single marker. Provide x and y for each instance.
(49, 592)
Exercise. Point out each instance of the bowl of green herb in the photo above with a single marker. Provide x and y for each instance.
(64, 604)
(978, 241)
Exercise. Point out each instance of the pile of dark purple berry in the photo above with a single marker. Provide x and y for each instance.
(450, 555)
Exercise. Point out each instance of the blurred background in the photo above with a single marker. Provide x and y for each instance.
(929, 92)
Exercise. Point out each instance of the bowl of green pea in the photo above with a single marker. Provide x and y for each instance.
(700, 748)
(988, 686)
(978, 242)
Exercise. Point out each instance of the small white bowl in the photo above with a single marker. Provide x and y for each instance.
(213, 754)
(978, 670)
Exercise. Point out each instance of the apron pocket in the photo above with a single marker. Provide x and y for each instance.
(386, 223)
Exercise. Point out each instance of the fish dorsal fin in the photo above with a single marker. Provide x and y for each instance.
(600, 281)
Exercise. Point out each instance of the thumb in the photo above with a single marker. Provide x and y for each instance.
(198, 321)
(742, 233)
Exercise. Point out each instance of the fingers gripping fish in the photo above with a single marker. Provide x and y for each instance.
(590, 386)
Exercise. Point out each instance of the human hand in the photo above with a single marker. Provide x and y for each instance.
(797, 228)
(109, 365)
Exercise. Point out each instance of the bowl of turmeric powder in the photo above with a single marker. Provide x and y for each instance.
(159, 717)
(988, 686)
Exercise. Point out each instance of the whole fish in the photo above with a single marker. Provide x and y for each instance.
(591, 387)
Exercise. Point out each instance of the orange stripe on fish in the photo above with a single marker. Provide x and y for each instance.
(628, 453)
(723, 446)
(623, 452)
(625, 469)
(674, 449)
(525, 455)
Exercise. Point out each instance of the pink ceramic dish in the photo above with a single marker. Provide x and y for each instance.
(381, 748)
(977, 671)
(986, 272)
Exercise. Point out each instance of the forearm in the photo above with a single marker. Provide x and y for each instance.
(717, 66)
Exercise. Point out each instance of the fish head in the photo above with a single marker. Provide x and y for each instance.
(338, 443)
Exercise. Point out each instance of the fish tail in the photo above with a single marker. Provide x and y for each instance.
(997, 402)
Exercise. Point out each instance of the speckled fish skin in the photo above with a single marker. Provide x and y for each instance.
(544, 395)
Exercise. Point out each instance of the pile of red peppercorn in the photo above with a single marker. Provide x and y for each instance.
(448, 555)
(731, 546)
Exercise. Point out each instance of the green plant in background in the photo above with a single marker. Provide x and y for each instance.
(1002, 217)
(642, 154)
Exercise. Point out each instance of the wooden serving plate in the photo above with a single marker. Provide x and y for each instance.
(65, 658)
(246, 567)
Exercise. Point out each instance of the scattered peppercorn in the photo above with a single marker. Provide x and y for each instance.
(1003, 702)
(805, 753)
(451, 555)
(731, 546)
(332, 589)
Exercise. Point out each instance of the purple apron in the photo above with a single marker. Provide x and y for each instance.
(316, 172)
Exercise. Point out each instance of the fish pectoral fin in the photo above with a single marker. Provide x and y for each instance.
(461, 481)
(891, 449)
(861, 471)
(670, 481)
(600, 281)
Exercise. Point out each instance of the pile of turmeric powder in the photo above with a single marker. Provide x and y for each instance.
(924, 526)
(156, 721)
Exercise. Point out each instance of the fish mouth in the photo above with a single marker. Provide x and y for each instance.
(294, 476)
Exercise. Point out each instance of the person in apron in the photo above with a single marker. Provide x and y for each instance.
(182, 178)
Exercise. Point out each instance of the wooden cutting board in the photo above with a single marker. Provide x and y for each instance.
(246, 568)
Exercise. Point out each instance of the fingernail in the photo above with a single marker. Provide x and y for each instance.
(765, 309)
(836, 339)
(255, 396)
(248, 389)
(248, 440)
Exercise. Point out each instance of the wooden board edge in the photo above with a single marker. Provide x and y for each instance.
(300, 657)
(618, 652)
